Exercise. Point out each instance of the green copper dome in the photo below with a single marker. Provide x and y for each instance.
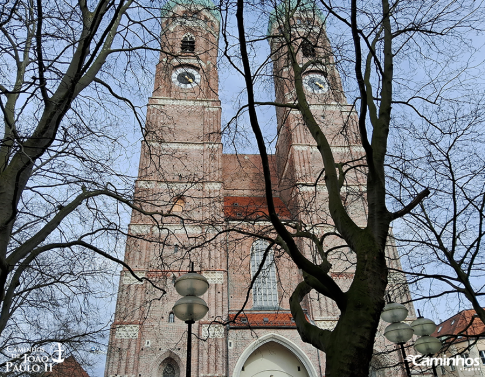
(290, 6)
(206, 4)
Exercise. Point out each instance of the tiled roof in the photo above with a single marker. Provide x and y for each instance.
(463, 323)
(259, 320)
(252, 208)
(68, 368)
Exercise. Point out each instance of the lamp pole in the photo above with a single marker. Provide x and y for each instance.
(397, 332)
(190, 307)
(406, 363)
(189, 348)
(426, 345)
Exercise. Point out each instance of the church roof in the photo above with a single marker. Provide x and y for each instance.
(206, 4)
(252, 208)
(289, 6)
(262, 320)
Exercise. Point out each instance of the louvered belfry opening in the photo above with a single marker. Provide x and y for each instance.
(188, 44)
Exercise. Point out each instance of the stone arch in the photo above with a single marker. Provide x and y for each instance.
(163, 360)
(289, 345)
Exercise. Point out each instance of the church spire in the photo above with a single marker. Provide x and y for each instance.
(195, 6)
(296, 9)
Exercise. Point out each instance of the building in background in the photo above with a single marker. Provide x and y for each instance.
(219, 214)
(68, 368)
(463, 335)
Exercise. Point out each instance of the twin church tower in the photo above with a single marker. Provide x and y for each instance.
(216, 213)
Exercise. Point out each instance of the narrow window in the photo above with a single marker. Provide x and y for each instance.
(265, 289)
(188, 43)
(307, 49)
(175, 248)
(171, 318)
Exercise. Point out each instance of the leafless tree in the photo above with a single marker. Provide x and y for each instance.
(67, 85)
(62, 196)
(385, 37)
(442, 239)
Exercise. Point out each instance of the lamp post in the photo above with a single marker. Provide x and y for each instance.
(399, 332)
(190, 307)
(426, 345)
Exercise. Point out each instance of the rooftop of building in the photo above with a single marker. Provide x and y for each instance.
(68, 368)
(263, 320)
(465, 323)
(251, 208)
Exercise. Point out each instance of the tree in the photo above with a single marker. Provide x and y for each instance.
(382, 33)
(60, 190)
(62, 185)
(443, 237)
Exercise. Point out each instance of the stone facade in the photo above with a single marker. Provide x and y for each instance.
(217, 212)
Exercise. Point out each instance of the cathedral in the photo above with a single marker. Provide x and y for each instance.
(203, 206)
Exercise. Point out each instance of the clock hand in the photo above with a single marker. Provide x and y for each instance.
(320, 85)
(188, 78)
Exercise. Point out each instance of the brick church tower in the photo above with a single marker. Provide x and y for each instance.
(215, 212)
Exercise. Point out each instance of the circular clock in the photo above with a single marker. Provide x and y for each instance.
(186, 77)
(315, 83)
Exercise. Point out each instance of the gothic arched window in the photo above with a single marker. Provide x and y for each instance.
(171, 317)
(307, 48)
(168, 371)
(265, 288)
(188, 43)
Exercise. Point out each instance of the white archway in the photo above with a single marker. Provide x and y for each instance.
(292, 347)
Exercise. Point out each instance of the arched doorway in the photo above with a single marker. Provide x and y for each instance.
(273, 355)
(168, 368)
(273, 359)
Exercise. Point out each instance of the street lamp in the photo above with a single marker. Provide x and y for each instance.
(397, 332)
(426, 345)
(190, 308)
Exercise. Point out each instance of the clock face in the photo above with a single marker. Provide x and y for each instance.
(315, 83)
(185, 77)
